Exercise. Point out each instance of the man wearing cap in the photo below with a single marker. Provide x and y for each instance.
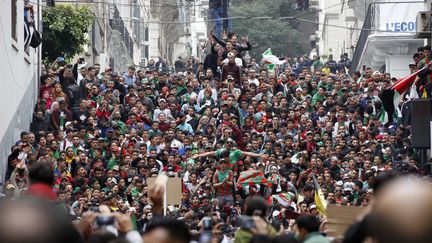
(238, 61)
(412, 67)
(190, 94)
(161, 109)
(108, 71)
(67, 141)
(425, 75)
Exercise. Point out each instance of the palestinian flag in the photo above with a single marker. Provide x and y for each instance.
(272, 60)
(253, 177)
(391, 97)
(320, 202)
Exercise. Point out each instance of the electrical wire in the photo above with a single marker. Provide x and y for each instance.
(321, 9)
(261, 18)
(160, 5)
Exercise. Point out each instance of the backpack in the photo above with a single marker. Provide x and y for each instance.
(36, 39)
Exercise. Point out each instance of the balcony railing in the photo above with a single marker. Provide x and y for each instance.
(116, 23)
(364, 34)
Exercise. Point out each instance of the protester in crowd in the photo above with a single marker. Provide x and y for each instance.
(256, 210)
(390, 224)
(308, 229)
(231, 134)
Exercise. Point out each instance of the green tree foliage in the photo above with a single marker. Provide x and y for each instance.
(278, 35)
(64, 31)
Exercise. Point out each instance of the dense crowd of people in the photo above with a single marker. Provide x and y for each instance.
(251, 143)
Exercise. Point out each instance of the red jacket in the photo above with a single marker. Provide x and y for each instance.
(41, 190)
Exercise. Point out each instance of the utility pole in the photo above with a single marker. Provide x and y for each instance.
(225, 16)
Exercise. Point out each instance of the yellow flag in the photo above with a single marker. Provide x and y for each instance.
(320, 202)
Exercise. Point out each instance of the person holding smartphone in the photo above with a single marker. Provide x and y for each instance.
(254, 223)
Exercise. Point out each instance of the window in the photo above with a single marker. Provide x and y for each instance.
(14, 19)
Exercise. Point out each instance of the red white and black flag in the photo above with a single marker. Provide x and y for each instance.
(392, 97)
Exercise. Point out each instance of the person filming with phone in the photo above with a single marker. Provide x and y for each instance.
(254, 222)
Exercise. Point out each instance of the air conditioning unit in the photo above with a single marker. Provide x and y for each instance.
(423, 24)
(187, 31)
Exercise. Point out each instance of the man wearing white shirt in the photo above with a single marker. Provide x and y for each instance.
(238, 61)
(67, 142)
(252, 77)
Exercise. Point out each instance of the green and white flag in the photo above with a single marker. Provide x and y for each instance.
(272, 60)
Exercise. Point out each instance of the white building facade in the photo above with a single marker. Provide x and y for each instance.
(119, 33)
(194, 17)
(377, 34)
(177, 28)
(340, 21)
(20, 71)
(387, 41)
(131, 32)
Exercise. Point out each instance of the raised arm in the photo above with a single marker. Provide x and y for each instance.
(246, 46)
(212, 48)
(255, 155)
(196, 156)
(219, 41)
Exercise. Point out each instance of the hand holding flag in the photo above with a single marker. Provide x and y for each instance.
(272, 60)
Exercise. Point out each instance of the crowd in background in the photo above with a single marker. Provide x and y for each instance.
(104, 132)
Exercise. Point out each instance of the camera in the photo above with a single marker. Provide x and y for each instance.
(246, 222)
(94, 208)
(93, 205)
(206, 235)
(207, 223)
(105, 220)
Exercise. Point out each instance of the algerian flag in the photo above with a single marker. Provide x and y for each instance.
(271, 59)
(295, 159)
(283, 199)
(384, 119)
